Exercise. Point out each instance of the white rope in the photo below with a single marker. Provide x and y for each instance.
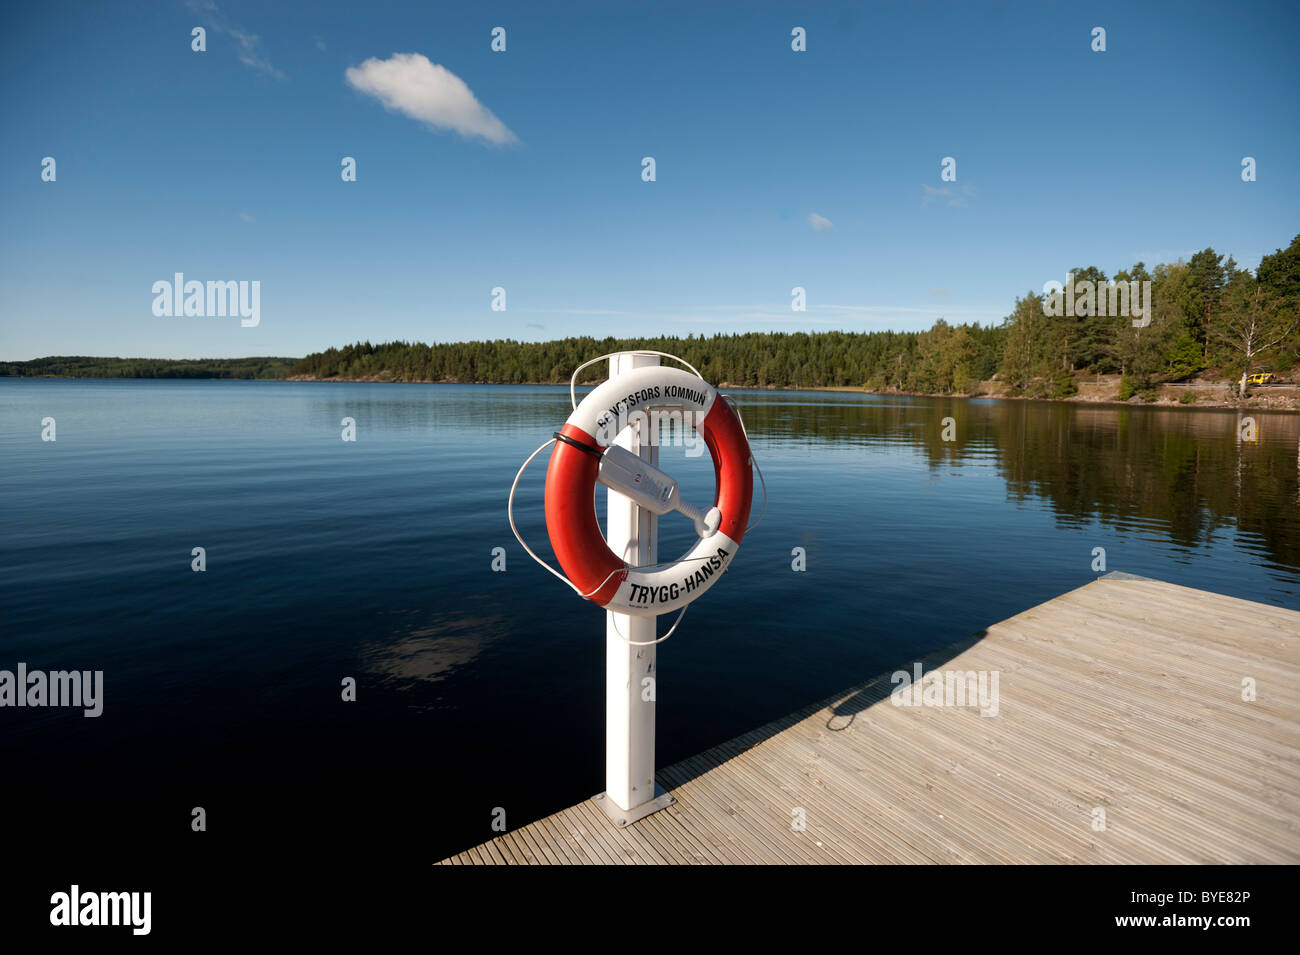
(510, 513)
(573, 394)
(646, 643)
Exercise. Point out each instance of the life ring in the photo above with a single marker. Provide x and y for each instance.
(579, 545)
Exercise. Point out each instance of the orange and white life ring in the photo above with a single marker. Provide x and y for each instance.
(581, 449)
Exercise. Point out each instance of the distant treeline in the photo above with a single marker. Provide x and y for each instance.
(823, 359)
(1206, 315)
(84, 367)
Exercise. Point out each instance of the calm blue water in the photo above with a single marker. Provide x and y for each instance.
(477, 689)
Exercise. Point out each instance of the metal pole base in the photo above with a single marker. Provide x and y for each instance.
(625, 817)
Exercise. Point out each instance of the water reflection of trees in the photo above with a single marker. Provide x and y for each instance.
(1182, 474)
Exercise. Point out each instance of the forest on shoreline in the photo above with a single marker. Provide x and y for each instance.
(1203, 317)
(1206, 316)
(83, 366)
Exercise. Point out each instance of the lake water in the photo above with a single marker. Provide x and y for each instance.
(476, 689)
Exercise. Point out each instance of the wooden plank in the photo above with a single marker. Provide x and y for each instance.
(1124, 694)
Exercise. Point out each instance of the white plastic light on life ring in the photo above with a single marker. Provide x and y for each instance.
(585, 454)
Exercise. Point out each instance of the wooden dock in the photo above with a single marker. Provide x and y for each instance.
(1122, 698)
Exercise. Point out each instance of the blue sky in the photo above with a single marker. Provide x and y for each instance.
(225, 165)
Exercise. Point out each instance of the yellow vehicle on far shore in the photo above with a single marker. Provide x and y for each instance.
(1261, 378)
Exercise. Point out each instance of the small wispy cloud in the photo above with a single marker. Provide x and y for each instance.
(954, 197)
(1153, 257)
(408, 83)
(907, 310)
(939, 293)
(246, 217)
(535, 325)
(831, 316)
(248, 46)
(933, 193)
(820, 223)
(320, 44)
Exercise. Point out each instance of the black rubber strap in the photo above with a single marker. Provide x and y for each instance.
(577, 444)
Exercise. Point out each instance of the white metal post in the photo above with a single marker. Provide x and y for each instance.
(630, 791)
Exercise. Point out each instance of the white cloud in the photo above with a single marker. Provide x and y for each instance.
(246, 217)
(410, 84)
(820, 223)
